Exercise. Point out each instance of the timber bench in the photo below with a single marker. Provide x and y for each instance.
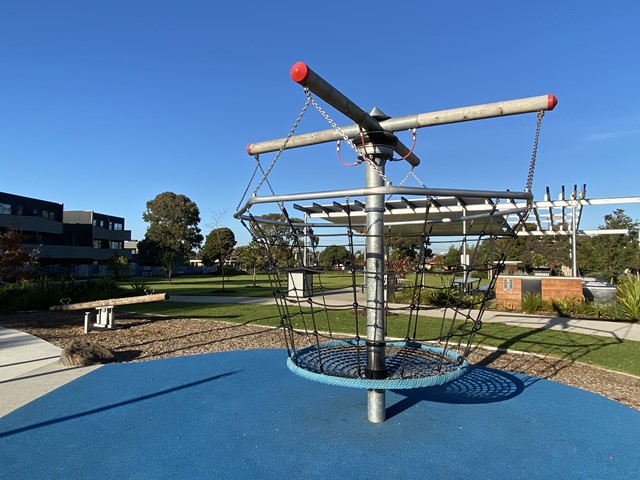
(104, 315)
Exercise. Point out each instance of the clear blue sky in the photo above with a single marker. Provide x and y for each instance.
(104, 105)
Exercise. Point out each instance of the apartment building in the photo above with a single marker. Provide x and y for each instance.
(65, 238)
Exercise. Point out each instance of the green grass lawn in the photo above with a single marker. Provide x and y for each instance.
(240, 285)
(243, 285)
(613, 354)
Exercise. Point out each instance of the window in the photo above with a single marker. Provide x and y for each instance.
(96, 244)
(114, 245)
(5, 209)
(118, 226)
(48, 214)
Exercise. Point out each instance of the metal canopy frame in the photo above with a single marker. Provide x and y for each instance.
(375, 141)
(550, 217)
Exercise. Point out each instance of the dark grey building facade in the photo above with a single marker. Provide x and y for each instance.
(78, 240)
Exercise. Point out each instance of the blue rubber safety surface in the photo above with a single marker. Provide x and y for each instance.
(244, 415)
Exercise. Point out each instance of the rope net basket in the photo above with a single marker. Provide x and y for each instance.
(417, 312)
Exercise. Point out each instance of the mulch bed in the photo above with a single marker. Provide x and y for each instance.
(147, 337)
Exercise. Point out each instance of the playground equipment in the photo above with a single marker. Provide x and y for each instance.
(429, 341)
(104, 315)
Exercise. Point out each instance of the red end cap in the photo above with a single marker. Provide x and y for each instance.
(552, 101)
(249, 148)
(299, 73)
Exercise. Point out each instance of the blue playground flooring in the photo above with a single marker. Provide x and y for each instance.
(244, 415)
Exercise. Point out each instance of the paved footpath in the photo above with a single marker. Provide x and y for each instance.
(29, 368)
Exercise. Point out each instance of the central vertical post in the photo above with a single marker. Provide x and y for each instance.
(374, 147)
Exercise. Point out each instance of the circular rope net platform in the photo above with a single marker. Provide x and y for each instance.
(408, 365)
(423, 309)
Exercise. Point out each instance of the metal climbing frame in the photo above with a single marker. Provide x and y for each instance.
(374, 139)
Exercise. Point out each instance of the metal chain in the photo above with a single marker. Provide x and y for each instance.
(534, 153)
(412, 174)
(284, 145)
(326, 116)
(253, 175)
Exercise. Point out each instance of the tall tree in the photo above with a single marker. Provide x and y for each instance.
(149, 252)
(173, 225)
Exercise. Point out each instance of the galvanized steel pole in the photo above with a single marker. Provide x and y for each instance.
(375, 284)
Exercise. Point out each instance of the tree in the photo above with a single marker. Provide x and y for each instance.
(173, 225)
(406, 248)
(283, 240)
(117, 265)
(251, 258)
(149, 252)
(611, 255)
(15, 260)
(451, 259)
(333, 255)
(217, 246)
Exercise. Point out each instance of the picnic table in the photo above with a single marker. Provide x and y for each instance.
(466, 284)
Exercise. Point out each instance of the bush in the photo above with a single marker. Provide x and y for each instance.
(566, 306)
(533, 303)
(614, 311)
(140, 288)
(44, 292)
(628, 295)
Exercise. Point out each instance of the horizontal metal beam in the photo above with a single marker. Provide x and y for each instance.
(564, 233)
(387, 190)
(303, 75)
(477, 112)
(442, 117)
(585, 201)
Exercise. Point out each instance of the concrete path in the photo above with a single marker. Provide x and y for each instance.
(29, 368)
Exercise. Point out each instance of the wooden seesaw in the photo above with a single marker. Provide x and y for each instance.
(104, 315)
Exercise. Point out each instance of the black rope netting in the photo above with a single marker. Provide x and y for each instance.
(433, 303)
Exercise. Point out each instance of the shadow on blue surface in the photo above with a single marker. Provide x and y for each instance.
(477, 386)
(112, 406)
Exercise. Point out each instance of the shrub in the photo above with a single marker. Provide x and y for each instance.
(613, 311)
(533, 303)
(140, 288)
(565, 307)
(590, 309)
(628, 295)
